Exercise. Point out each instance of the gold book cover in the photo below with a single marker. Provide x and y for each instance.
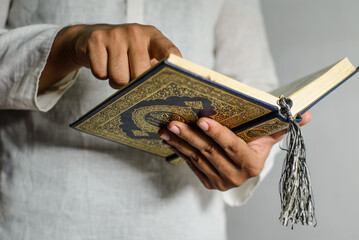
(169, 91)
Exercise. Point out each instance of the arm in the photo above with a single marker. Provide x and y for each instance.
(38, 61)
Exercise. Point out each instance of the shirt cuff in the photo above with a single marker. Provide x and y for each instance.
(46, 100)
(239, 196)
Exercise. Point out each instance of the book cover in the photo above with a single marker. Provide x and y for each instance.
(135, 113)
(176, 89)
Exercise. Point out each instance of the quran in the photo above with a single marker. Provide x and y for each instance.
(177, 89)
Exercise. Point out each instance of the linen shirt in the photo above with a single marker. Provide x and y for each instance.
(58, 183)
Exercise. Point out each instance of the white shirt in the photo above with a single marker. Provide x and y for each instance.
(57, 183)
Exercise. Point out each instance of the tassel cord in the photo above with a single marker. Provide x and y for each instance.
(295, 186)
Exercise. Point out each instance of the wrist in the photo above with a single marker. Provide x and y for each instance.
(61, 60)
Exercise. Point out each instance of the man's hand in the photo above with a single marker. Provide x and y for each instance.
(219, 158)
(115, 52)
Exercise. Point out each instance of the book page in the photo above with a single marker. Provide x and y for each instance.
(223, 80)
(290, 88)
(314, 90)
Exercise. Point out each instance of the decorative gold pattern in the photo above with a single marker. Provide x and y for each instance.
(139, 133)
(194, 104)
(266, 128)
(135, 118)
(148, 118)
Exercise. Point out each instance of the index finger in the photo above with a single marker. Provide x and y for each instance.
(161, 47)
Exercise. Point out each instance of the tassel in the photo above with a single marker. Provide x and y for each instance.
(295, 186)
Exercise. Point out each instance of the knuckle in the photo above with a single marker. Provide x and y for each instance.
(152, 28)
(134, 29)
(254, 171)
(96, 37)
(115, 35)
(176, 144)
(235, 181)
(222, 187)
(194, 157)
(187, 137)
(82, 52)
(137, 36)
(233, 177)
(231, 147)
(207, 150)
(153, 31)
(207, 185)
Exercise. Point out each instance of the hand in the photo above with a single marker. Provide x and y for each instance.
(115, 52)
(219, 158)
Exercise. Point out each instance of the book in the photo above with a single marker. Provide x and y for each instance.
(177, 89)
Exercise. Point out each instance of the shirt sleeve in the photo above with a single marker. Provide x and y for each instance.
(23, 55)
(242, 53)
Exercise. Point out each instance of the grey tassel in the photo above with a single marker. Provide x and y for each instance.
(295, 185)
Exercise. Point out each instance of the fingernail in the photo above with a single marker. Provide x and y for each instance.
(165, 136)
(175, 130)
(204, 126)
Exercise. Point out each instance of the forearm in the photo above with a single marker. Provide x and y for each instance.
(60, 62)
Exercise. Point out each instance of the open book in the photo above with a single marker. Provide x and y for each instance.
(177, 89)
